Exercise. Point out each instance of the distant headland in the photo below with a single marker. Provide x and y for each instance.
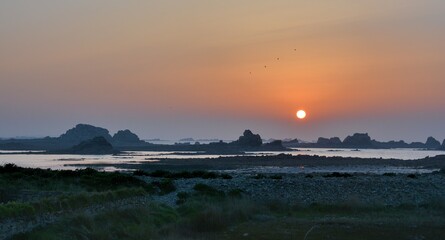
(364, 141)
(88, 139)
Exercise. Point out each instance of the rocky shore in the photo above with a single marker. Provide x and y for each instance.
(323, 188)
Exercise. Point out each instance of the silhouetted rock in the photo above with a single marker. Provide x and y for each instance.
(291, 143)
(97, 145)
(391, 144)
(249, 139)
(329, 142)
(275, 145)
(83, 132)
(432, 143)
(416, 145)
(443, 145)
(125, 136)
(358, 140)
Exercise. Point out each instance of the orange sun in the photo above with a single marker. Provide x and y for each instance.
(301, 114)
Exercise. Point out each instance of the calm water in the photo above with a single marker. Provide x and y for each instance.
(63, 161)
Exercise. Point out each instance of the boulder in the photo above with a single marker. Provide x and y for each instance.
(358, 140)
(291, 143)
(275, 145)
(125, 136)
(97, 145)
(249, 139)
(83, 132)
(329, 142)
(432, 143)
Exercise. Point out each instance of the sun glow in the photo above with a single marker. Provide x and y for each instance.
(301, 114)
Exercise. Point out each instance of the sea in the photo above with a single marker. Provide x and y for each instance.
(36, 159)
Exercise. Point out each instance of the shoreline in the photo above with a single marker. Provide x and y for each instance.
(281, 160)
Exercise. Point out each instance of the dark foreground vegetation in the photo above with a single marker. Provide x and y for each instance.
(87, 204)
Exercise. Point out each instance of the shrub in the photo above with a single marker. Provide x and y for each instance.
(236, 193)
(182, 197)
(165, 186)
(276, 177)
(389, 174)
(226, 176)
(160, 173)
(337, 175)
(140, 173)
(259, 176)
(204, 189)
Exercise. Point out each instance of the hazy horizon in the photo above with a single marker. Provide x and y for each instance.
(177, 69)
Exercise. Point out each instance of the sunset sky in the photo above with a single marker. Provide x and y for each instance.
(195, 68)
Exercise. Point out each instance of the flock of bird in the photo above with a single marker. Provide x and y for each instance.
(278, 59)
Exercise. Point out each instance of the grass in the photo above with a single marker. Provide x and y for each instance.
(66, 202)
(204, 216)
(25, 192)
(13, 178)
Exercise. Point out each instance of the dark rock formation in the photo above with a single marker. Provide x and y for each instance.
(416, 145)
(390, 144)
(275, 145)
(97, 145)
(291, 143)
(83, 132)
(125, 136)
(432, 143)
(443, 145)
(249, 140)
(329, 142)
(358, 140)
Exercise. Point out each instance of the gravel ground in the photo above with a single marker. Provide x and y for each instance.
(300, 189)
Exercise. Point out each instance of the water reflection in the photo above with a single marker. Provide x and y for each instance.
(57, 161)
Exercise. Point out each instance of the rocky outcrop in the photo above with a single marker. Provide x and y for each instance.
(291, 143)
(432, 143)
(329, 142)
(249, 140)
(443, 145)
(97, 145)
(358, 140)
(125, 136)
(83, 132)
(275, 145)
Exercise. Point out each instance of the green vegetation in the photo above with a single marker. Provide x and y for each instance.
(25, 192)
(165, 186)
(338, 175)
(389, 174)
(412, 175)
(17, 178)
(213, 216)
(66, 202)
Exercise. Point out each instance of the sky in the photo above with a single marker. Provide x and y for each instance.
(196, 68)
